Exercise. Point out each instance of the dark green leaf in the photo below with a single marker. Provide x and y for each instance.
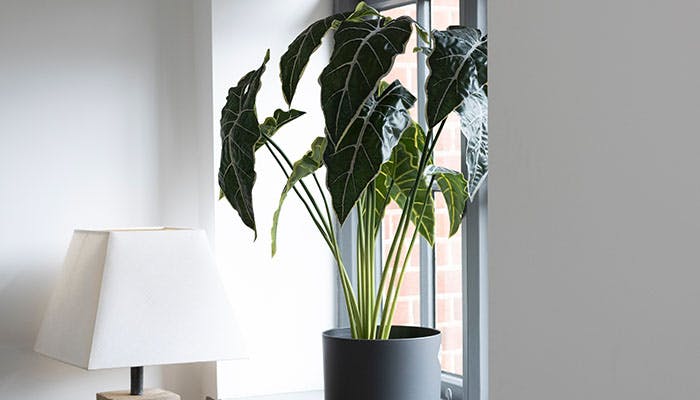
(405, 159)
(239, 134)
(362, 12)
(454, 189)
(272, 124)
(474, 125)
(423, 34)
(382, 187)
(381, 87)
(458, 66)
(363, 53)
(282, 117)
(367, 143)
(294, 60)
(422, 49)
(307, 165)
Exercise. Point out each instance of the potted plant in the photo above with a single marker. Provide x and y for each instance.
(374, 153)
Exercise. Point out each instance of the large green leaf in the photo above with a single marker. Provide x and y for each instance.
(404, 170)
(363, 53)
(307, 165)
(272, 124)
(453, 187)
(474, 125)
(239, 134)
(362, 12)
(384, 179)
(294, 60)
(458, 68)
(367, 143)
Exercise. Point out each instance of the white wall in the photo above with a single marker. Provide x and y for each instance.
(285, 303)
(594, 200)
(97, 117)
(105, 113)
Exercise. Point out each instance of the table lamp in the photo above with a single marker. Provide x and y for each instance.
(135, 297)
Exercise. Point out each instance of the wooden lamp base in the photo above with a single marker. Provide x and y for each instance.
(148, 394)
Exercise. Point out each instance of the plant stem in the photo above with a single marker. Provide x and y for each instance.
(350, 303)
(390, 312)
(361, 289)
(328, 235)
(402, 229)
(269, 141)
(371, 240)
(321, 229)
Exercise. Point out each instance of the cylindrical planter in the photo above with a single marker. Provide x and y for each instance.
(404, 367)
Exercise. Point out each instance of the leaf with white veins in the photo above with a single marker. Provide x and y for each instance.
(363, 53)
(272, 124)
(368, 142)
(294, 60)
(458, 68)
(406, 158)
(239, 134)
(474, 126)
(453, 187)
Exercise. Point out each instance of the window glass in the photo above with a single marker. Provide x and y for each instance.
(448, 289)
(448, 251)
(444, 13)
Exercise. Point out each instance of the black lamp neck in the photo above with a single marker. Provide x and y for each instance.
(136, 381)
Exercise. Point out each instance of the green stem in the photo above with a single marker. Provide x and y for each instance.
(328, 235)
(371, 244)
(382, 281)
(366, 218)
(392, 308)
(350, 303)
(361, 290)
(368, 258)
(269, 141)
(321, 228)
(323, 197)
(402, 229)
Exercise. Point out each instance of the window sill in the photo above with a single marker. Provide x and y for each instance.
(314, 395)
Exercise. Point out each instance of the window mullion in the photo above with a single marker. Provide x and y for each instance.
(474, 260)
(427, 252)
(474, 286)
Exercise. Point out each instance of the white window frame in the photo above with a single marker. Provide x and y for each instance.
(474, 251)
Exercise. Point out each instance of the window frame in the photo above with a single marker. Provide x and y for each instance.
(474, 251)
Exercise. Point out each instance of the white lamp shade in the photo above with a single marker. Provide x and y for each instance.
(139, 297)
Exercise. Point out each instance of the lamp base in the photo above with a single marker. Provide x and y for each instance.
(148, 394)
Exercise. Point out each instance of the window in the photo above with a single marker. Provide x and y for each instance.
(444, 285)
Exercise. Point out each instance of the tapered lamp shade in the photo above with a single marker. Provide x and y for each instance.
(139, 297)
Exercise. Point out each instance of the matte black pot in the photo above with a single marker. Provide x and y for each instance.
(404, 367)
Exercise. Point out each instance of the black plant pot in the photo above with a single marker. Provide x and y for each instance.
(404, 367)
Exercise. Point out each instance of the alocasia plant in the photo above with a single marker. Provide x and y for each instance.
(374, 153)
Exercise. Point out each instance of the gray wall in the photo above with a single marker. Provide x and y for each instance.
(594, 200)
